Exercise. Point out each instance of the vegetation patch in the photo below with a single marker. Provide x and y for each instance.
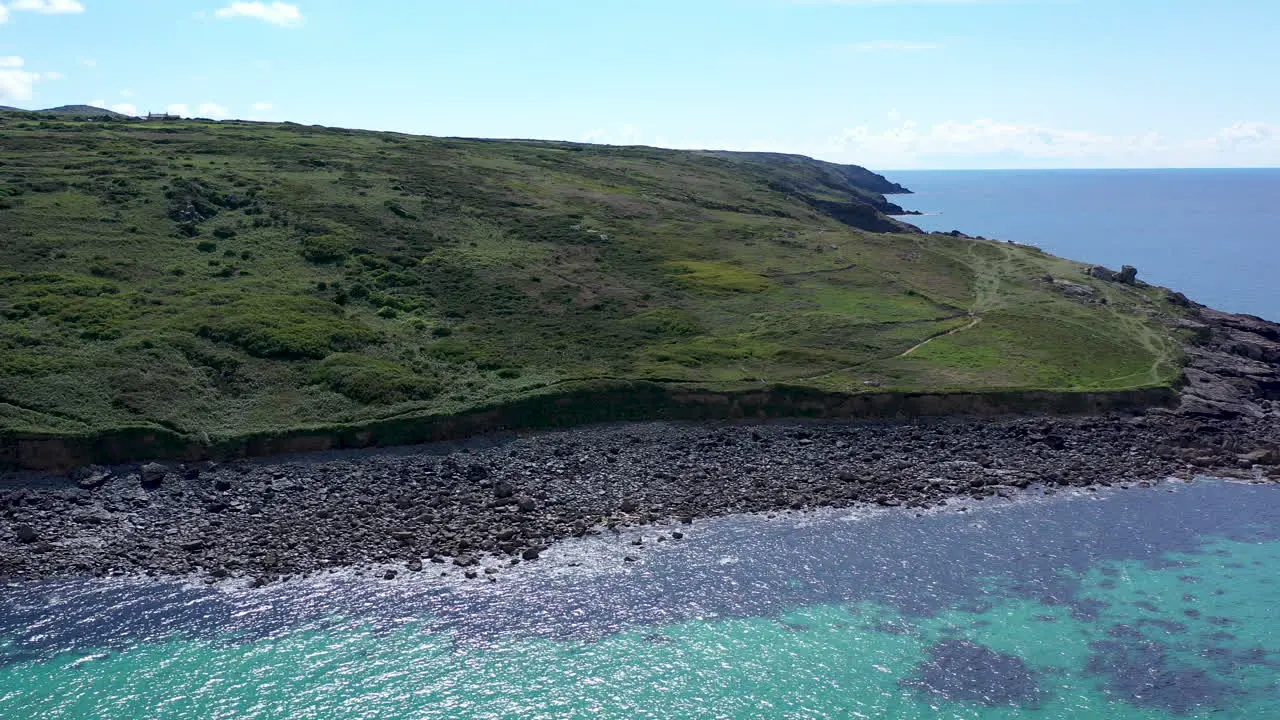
(283, 327)
(719, 277)
(372, 381)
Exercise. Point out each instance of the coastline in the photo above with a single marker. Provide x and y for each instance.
(501, 500)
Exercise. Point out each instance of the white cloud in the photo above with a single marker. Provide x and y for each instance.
(626, 135)
(98, 103)
(211, 110)
(261, 106)
(89, 62)
(1247, 134)
(126, 108)
(50, 7)
(179, 109)
(277, 13)
(4, 14)
(127, 93)
(16, 84)
(54, 76)
(893, 46)
(908, 142)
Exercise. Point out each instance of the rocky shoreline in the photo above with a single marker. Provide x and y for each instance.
(474, 508)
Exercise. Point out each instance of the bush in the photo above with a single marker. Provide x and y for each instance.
(369, 380)
(224, 233)
(326, 248)
(283, 327)
(666, 322)
(206, 246)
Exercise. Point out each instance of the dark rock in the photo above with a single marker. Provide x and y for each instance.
(152, 474)
(963, 671)
(192, 545)
(628, 505)
(93, 478)
(531, 553)
(221, 485)
(389, 575)
(526, 504)
(1103, 273)
(26, 534)
(414, 565)
(503, 490)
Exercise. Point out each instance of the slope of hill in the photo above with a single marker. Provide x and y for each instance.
(201, 282)
(81, 111)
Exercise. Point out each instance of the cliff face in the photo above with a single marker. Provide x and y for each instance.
(849, 193)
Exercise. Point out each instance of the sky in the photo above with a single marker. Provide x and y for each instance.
(890, 84)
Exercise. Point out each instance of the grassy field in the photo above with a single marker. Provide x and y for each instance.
(218, 279)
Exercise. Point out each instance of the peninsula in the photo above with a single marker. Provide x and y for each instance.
(201, 293)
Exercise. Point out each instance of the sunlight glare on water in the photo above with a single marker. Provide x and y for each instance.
(1142, 604)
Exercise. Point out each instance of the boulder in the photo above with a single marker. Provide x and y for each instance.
(503, 489)
(1128, 275)
(1102, 273)
(531, 553)
(526, 504)
(92, 478)
(152, 473)
(26, 534)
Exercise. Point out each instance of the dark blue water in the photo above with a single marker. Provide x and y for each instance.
(1213, 234)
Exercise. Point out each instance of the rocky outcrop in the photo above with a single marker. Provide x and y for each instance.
(1127, 275)
(1232, 367)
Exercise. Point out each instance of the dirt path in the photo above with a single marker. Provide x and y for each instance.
(953, 331)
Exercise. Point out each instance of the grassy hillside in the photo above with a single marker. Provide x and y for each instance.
(225, 278)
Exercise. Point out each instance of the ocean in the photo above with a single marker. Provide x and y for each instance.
(1141, 603)
(1212, 234)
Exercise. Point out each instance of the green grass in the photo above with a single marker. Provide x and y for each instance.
(219, 279)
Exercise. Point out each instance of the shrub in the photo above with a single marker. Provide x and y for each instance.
(370, 380)
(326, 248)
(666, 322)
(224, 233)
(206, 246)
(282, 327)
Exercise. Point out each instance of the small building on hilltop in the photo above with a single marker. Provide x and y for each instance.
(162, 116)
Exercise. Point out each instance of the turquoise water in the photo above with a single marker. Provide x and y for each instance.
(1152, 603)
(1209, 233)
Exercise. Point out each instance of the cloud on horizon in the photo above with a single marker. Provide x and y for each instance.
(893, 46)
(49, 7)
(277, 13)
(885, 3)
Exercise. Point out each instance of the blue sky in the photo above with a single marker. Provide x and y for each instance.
(892, 84)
